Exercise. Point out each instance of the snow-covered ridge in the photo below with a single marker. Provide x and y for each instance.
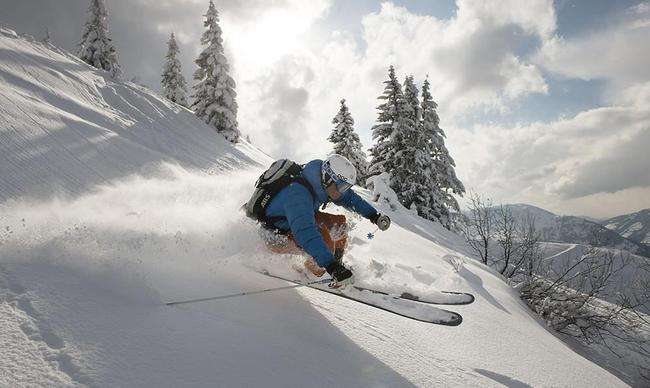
(150, 214)
(67, 127)
(634, 226)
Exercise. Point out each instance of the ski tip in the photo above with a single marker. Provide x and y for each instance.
(456, 320)
(470, 297)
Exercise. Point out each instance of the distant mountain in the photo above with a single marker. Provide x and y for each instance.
(592, 219)
(578, 230)
(543, 218)
(634, 226)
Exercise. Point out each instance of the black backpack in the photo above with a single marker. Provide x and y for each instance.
(281, 174)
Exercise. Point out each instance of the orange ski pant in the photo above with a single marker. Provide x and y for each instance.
(332, 227)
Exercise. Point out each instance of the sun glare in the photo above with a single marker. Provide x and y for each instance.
(273, 35)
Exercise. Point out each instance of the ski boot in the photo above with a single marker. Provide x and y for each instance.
(341, 276)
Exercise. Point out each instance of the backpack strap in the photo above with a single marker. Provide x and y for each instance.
(304, 182)
(268, 222)
(281, 174)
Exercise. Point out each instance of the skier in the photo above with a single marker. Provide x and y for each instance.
(297, 225)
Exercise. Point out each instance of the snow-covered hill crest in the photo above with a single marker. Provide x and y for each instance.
(66, 127)
(634, 226)
(149, 213)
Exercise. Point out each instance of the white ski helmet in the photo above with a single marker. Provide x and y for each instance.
(338, 170)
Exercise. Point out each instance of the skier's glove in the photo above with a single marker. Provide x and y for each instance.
(341, 275)
(382, 221)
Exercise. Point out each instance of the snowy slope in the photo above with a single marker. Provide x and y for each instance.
(149, 214)
(66, 128)
(634, 226)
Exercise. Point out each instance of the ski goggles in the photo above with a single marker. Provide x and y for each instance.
(342, 186)
(330, 178)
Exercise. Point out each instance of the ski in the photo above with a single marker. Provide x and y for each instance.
(403, 307)
(442, 297)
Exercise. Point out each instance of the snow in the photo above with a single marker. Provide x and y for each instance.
(381, 191)
(214, 97)
(551, 251)
(71, 128)
(346, 142)
(114, 201)
(96, 47)
(635, 227)
(173, 82)
(26, 359)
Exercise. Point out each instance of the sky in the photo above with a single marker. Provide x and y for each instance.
(543, 102)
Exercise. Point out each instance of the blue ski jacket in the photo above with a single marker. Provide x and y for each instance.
(297, 208)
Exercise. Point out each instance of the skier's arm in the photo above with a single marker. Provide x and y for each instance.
(299, 211)
(352, 201)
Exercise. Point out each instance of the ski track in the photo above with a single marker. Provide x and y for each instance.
(568, 249)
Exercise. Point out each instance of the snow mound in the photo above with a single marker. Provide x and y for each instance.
(113, 201)
(381, 191)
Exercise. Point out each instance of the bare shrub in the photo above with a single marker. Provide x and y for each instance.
(478, 227)
(596, 297)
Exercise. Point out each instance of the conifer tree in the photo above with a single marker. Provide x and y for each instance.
(173, 82)
(96, 48)
(412, 100)
(415, 162)
(346, 142)
(214, 91)
(444, 181)
(389, 133)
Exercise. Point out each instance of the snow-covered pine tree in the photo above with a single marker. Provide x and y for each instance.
(414, 161)
(96, 48)
(444, 181)
(214, 91)
(393, 125)
(347, 143)
(173, 82)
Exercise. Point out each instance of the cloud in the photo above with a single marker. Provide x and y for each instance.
(605, 205)
(596, 153)
(625, 166)
(265, 53)
(472, 59)
(614, 53)
(285, 112)
(535, 17)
